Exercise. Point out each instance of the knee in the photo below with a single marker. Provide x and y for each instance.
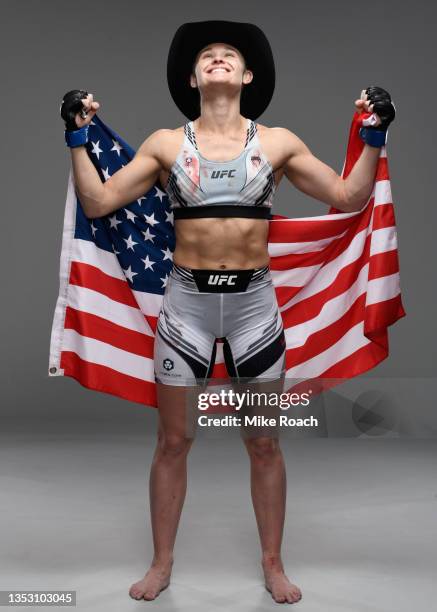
(173, 446)
(263, 449)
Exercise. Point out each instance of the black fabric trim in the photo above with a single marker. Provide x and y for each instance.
(211, 363)
(229, 359)
(222, 210)
(199, 369)
(264, 359)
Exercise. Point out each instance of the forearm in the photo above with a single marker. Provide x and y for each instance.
(89, 186)
(357, 187)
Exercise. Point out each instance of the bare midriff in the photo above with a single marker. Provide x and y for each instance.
(221, 243)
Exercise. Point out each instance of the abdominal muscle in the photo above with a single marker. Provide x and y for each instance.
(225, 243)
(232, 243)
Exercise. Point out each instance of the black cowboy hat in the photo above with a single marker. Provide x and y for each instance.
(252, 43)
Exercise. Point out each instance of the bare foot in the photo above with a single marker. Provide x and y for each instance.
(156, 580)
(282, 590)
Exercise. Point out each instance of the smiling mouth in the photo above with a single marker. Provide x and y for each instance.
(218, 69)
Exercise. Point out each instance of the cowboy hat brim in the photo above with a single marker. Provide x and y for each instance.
(252, 43)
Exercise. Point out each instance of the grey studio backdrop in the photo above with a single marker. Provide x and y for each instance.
(325, 53)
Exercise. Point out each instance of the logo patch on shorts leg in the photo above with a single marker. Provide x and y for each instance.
(168, 364)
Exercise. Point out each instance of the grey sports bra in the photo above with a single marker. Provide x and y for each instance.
(240, 187)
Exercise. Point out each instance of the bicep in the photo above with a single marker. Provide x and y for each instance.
(312, 176)
(135, 179)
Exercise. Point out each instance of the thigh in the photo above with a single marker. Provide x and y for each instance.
(254, 348)
(179, 361)
(184, 350)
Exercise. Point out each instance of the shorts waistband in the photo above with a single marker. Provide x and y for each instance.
(220, 281)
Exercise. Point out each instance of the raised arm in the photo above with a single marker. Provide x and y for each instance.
(320, 181)
(316, 179)
(125, 185)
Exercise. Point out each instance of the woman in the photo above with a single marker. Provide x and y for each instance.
(220, 171)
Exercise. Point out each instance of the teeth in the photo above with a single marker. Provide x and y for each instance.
(218, 70)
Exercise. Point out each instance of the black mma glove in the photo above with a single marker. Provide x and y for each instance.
(376, 135)
(72, 105)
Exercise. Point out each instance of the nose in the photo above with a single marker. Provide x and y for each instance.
(216, 61)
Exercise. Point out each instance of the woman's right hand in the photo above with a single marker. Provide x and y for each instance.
(77, 109)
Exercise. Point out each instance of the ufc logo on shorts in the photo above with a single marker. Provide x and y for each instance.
(222, 173)
(220, 279)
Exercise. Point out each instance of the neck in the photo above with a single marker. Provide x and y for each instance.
(220, 114)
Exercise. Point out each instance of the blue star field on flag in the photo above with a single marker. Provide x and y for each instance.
(141, 234)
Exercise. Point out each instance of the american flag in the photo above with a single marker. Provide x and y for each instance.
(336, 278)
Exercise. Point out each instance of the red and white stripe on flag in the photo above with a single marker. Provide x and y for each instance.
(336, 278)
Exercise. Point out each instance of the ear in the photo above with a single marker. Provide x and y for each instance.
(193, 80)
(247, 77)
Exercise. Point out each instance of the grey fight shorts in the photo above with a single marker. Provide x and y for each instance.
(238, 306)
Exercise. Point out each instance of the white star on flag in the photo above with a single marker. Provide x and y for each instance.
(93, 229)
(167, 253)
(159, 194)
(148, 235)
(129, 242)
(130, 215)
(130, 274)
(96, 149)
(106, 174)
(164, 281)
(139, 200)
(148, 263)
(169, 217)
(114, 221)
(117, 147)
(150, 219)
(116, 252)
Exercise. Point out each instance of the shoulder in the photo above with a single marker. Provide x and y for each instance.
(281, 133)
(161, 139)
(282, 138)
(165, 135)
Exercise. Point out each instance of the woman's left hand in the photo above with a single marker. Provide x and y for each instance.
(378, 101)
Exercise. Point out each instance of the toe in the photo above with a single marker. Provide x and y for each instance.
(297, 597)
